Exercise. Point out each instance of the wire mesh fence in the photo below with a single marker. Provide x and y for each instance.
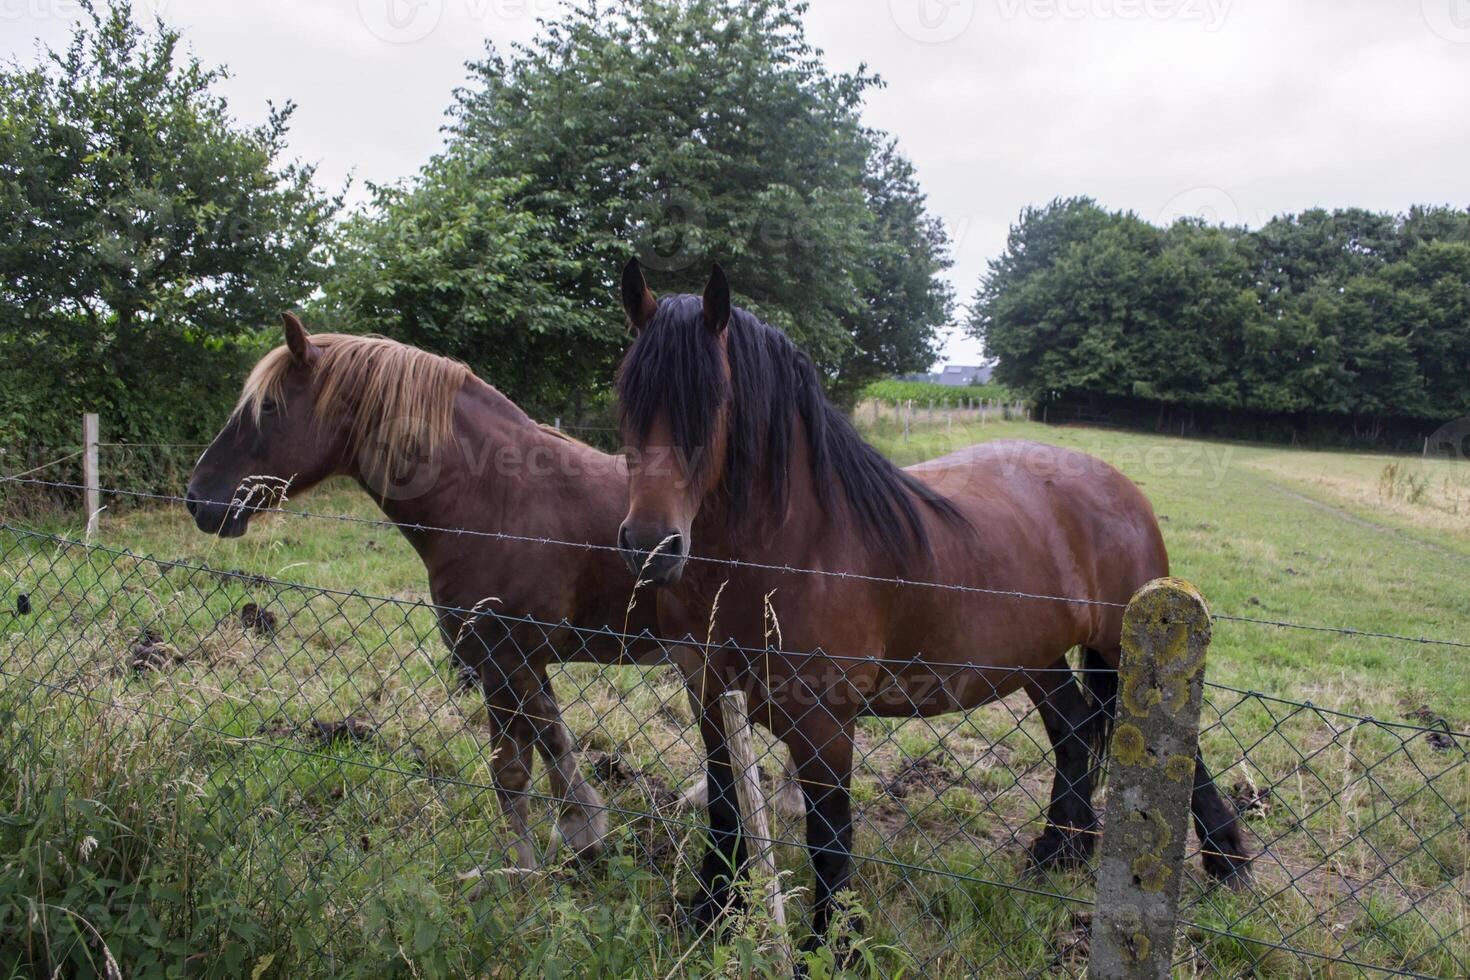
(283, 779)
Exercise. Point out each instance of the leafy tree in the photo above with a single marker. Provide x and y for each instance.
(146, 235)
(451, 263)
(1347, 313)
(1061, 307)
(904, 298)
(710, 130)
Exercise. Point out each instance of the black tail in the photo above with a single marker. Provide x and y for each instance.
(1100, 679)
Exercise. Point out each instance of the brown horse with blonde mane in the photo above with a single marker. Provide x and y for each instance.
(757, 466)
(438, 448)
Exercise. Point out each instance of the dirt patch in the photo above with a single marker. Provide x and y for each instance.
(149, 653)
(1251, 802)
(1440, 741)
(924, 774)
(257, 619)
(614, 772)
(351, 730)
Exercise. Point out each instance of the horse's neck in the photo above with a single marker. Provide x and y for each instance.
(764, 535)
(496, 465)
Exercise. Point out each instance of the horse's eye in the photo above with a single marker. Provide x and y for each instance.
(267, 406)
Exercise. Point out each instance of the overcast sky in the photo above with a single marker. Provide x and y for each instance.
(1235, 109)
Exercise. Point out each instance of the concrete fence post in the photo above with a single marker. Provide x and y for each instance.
(91, 496)
(755, 816)
(1166, 632)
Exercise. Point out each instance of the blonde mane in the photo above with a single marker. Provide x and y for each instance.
(400, 396)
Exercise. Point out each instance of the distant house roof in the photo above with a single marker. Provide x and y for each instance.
(964, 374)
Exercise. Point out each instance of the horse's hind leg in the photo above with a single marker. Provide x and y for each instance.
(1222, 846)
(1071, 822)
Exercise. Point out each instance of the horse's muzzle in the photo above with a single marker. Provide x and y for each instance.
(215, 517)
(657, 559)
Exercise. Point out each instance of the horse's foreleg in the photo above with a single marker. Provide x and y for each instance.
(511, 758)
(724, 856)
(1071, 822)
(583, 821)
(823, 761)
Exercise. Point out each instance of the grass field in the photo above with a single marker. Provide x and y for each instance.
(314, 797)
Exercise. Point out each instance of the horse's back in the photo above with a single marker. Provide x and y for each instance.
(1046, 520)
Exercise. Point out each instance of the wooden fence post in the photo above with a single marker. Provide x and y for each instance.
(755, 815)
(1166, 632)
(91, 497)
(908, 411)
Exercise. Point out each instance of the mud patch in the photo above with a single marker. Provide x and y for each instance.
(258, 620)
(350, 730)
(923, 774)
(149, 653)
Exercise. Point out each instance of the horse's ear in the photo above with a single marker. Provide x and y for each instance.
(717, 300)
(638, 302)
(298, 341)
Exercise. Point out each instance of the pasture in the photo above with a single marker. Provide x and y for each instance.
(305, 788)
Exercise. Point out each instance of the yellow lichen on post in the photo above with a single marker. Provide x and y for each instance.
(1166, 632)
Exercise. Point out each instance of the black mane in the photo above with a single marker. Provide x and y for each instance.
(674, 367)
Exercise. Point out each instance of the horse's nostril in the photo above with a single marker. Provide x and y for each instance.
(191, 504)
(623, 542)
(674, 546)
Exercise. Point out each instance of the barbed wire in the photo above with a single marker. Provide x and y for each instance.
(735, 562)
(646, 636)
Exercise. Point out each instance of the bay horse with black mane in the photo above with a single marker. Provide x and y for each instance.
(438, 448)
(734, 450)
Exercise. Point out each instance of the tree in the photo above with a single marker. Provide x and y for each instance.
(452, 264)
(147, 236)
(1348, 313)
(904, 297)
(1061, 308)
(709, 130)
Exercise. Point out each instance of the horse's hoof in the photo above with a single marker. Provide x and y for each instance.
(704, 910)
(481, 890)
(583, 830)
(844, 957)
(1054, 849)
(1231, 870)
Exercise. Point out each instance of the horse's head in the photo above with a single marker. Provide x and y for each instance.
(272, 439)
(674, 392)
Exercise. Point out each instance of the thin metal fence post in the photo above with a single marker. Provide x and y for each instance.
(755, 815)
(91, 498)
(1166, 632)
